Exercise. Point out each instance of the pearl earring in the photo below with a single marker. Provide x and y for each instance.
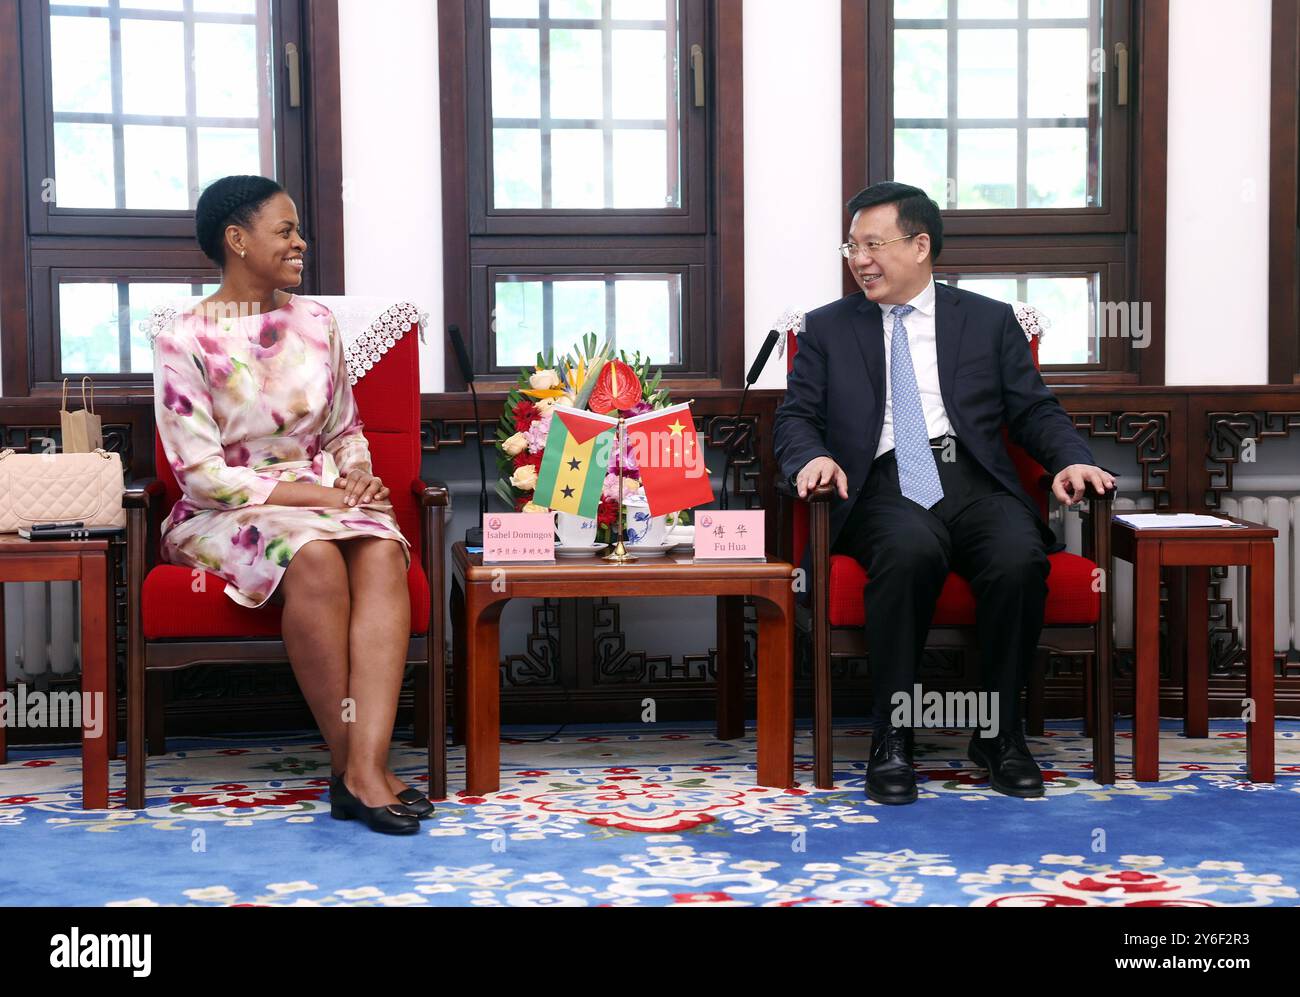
(242, 254)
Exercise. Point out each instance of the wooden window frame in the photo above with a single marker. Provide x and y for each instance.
(1284, 197)
(1105, 238)
(38, 241)
(704, 237)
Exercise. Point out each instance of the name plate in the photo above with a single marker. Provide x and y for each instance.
(514, 537)
(722, 535)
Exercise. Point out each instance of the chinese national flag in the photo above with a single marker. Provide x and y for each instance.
(671, 459)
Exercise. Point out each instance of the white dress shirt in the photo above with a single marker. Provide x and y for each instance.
(925, 362)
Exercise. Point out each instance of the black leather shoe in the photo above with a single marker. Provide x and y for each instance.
(395, 818)
(416, 802)
(890, 776)
(1012, 770)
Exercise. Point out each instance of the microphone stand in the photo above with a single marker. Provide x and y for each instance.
(474, 535)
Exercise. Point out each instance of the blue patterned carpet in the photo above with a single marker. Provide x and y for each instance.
(619, 816)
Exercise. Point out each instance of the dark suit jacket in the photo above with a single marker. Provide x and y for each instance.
(835, 398)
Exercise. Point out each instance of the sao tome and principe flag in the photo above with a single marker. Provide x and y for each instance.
(673, 475)
(578, 448)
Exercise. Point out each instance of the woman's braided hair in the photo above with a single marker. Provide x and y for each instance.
(231, 200)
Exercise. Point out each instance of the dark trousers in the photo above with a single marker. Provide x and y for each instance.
(979, 530)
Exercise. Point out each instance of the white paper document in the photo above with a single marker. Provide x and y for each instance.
(1173, 521)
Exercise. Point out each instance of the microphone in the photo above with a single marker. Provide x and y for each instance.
(474, 535)
(755, 369)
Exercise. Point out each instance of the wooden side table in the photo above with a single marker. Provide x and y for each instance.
(1199, 549)
(88, 562)
(479, 592)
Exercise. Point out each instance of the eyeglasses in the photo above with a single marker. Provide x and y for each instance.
(849, 250)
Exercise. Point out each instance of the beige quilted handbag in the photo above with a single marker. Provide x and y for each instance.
(60, 488)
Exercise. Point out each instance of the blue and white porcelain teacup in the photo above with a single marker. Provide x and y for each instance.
(642, 529)
(575, 531)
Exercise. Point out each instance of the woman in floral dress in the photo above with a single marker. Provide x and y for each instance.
(258, 421)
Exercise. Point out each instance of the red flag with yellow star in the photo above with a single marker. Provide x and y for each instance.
(671, 459)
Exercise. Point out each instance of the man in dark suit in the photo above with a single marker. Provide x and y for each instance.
(897, 398)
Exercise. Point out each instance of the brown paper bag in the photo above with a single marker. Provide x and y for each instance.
(81, 430)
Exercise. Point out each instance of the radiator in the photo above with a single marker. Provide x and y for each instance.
(41, 624)
(1282, 512)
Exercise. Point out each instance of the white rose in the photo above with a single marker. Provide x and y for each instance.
(514, 445)
(534, 507)
(543, 379)
(524, 478)
(544, 406)
(565, 400)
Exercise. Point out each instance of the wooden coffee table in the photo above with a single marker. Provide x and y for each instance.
(88, 562)
(479, 592)
(1199, 549)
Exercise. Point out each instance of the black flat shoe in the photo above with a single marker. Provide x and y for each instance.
(416, 802)
(394, 818)
(1012, 770)
(890, 776)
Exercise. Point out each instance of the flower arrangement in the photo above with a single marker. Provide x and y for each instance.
(571, 380)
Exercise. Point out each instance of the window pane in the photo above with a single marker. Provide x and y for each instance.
(1058, 8)
(576, 8)
(637, 10)
(920, 74)
(225, 6)
(1067, 301)
(640, 169)
(1046, 167)
(1058, 73)
(226, 70)
(986, 168)
(513, 8)
(515, 89)
(576, 88)
(168, 157)
(153, 67)
(920, 8)
(579, 311)
(987, 8)
(986, 73)
(609, 76)
(920, 158)
(155, 167)
(1070, 305)
(80, 64)
(644, 312)
(640, 75)
(142, 299)
(535, 313)
(83, 165)
(577, 168)
(517, 168)
(88, 328)
(227, 151)
(517, 322)
(1058, 168)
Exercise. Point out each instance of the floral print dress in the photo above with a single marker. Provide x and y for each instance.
(241, 404)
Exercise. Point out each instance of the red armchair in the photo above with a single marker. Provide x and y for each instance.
(170, 626)
(1076, 618)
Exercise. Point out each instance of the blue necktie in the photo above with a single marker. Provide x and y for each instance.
(918, 475)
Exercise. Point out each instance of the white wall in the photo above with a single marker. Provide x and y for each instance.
(1218, 141)
(793, 207)
(392, 167)
(1218, 197)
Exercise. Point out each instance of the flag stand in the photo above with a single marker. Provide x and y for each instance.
(618, 554)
